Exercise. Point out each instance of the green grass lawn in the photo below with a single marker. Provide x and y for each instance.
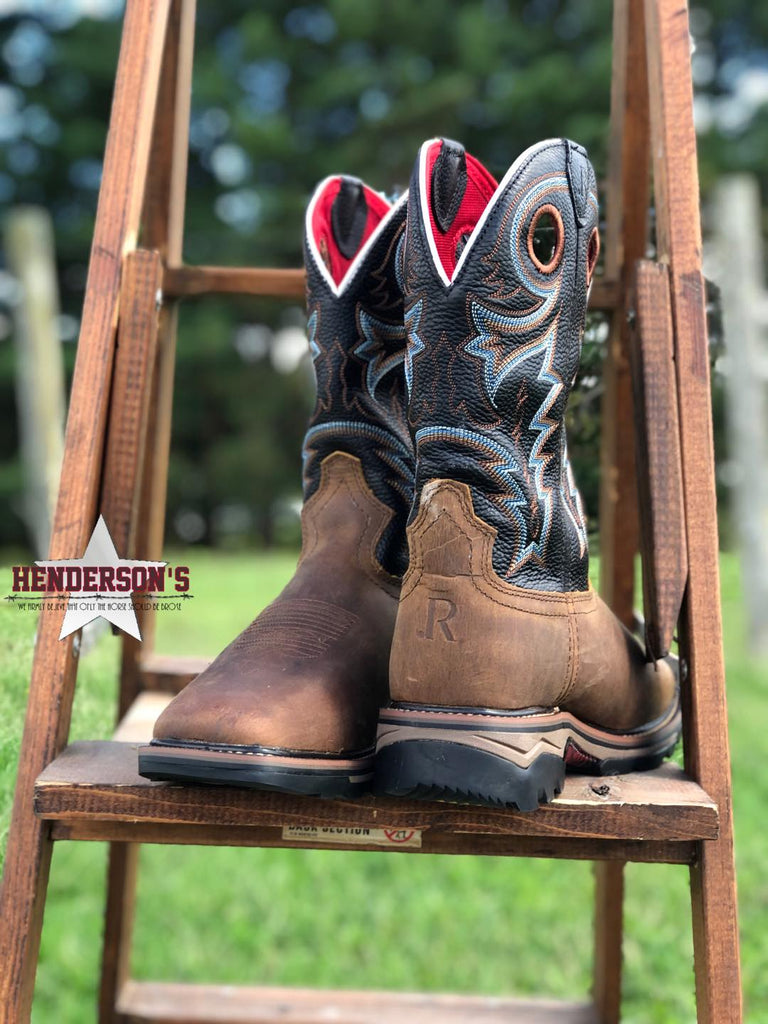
(464, 924)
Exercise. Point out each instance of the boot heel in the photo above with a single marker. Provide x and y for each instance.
(512, 758)
(431, 761)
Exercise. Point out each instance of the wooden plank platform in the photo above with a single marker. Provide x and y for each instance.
(92, 791)
(144, 1002)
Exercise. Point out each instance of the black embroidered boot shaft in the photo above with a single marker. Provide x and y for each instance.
(495, 326)
(357, 341)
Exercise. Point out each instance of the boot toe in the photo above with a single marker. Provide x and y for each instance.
(224, 713)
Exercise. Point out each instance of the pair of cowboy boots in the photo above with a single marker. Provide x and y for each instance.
(440, 637)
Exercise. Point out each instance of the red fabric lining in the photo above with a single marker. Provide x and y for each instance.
(322, 232)
(480, 188)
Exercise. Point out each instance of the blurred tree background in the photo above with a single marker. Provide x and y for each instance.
(284, 95)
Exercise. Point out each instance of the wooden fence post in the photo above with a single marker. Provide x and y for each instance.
(740, 256)
(29, 246)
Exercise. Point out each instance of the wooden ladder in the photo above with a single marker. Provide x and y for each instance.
(116, 462)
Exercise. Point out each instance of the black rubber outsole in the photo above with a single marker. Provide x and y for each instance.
(330, 783)
(440, 770)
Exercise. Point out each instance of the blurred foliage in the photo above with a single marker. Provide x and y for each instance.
(284, 95)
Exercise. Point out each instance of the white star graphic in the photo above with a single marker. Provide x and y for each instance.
(83, 607)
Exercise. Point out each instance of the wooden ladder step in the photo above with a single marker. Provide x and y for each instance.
(195, 281)
(224, 1004)
(93, 791)
(169, 672)
(180, 282)
(137, 723)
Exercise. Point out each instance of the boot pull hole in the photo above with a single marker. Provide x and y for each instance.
(546, 238)
(593, 251)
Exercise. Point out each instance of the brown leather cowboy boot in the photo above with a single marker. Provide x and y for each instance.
(506, 666)
(292, 703)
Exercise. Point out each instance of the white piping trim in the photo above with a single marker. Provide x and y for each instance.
(352, 269)
(424, 201)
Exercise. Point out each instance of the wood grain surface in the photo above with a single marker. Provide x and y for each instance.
(142, 1002)
(659, 469)
(98, 780)
(675, 172)
(27, 862)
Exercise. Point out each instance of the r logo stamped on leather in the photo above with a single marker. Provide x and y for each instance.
(440, 612)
